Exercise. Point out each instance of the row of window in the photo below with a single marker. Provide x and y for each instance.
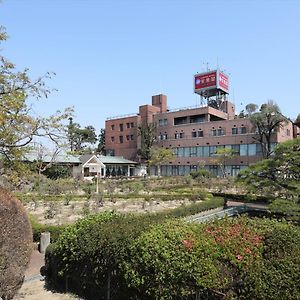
(210, 151)
(181, 170)
(121, 126)
(200, 134)
(129, 137)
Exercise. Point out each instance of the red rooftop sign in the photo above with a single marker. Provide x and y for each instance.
(211, 80)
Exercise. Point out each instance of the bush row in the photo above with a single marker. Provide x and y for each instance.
(158, 257)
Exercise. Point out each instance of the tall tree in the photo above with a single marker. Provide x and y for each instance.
(79, 138)
(160, 156)
(18, 126)
(266, 122)
(101, 140)
(251, 108)
(148, 138)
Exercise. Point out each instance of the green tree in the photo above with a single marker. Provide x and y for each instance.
(251, 108)
(101, 140)
(279, 175)
(266, 122)
(18, 126)
(79, 138)
(159, 156)
(148, 138)
(297, 121)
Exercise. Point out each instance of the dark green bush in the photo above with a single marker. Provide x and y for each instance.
(277, 275)
(142, 257)
(89, 253)
(202, 173)
(286, 208)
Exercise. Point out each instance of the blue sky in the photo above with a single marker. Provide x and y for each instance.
(112, 56)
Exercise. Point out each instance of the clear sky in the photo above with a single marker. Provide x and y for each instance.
(112, 56)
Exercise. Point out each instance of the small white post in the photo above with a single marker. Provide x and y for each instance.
(44, 242)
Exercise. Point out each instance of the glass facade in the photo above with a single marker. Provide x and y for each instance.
(181, 170)
(209, 151)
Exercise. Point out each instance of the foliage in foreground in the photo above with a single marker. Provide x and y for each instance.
(15, 244)
(157, 257)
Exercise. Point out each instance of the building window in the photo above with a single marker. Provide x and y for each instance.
(206, 151)
(163, 122)
(217, 132)
(193, 151)
(196, 134)
(121, 139)
(243, 130)
(235, 170)
(212, 150)
(252, 149)
(288, 132)
(112, 127)
(235, 149)
(162, 137)
(130, 125)
(120, 127)
(180, 121)
(180, 152)
(179, 135)
(244, 150)
(112, 139)
(234, 130)
(258, 150)
(220, 131)
(129, 137)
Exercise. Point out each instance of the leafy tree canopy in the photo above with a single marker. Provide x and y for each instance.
(148, 138)
(266, 122)
(159, 156)
(80, 137)
(18, 125)
(277, 175)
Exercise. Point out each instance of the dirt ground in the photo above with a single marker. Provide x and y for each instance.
(33, 287)
(35, 290)
(57, 213)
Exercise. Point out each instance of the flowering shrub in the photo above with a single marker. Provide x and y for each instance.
(238, 243)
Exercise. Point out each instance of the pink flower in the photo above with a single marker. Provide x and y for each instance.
(239, 257)
(187, 244)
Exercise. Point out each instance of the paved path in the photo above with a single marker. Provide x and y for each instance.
(37, 260)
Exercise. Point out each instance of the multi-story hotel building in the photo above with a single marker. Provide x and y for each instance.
(195, 134)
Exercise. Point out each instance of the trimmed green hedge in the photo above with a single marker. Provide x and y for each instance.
(156, 257)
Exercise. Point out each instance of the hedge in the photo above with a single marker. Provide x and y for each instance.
(157, 257)
(15, 244)
(89, 253)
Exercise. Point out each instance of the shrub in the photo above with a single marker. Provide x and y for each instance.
(170, 261)
(15, 244)
(202, 173)
(287, 208)
(90, 252)
(277, 276)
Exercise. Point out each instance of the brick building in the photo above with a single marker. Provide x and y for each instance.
(194, 134)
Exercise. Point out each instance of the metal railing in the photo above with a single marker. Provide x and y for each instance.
(227, 212)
